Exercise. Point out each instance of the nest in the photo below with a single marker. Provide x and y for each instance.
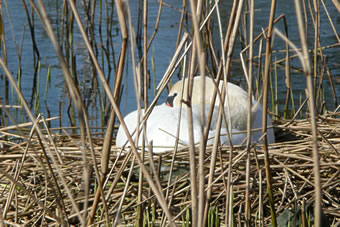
(42, 180)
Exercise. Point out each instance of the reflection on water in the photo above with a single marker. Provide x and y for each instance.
(20, 53)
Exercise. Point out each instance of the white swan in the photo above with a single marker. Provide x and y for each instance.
(162, 128)
(238, 99)
(163, 120)
(238, 104)
(257, 125)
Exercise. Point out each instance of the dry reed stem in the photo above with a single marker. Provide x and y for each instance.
(216, 141)
(265, 104)
(307, 71)
(116, 92)
(336, 4)
(195, 15)
(229, 47)
(76, 97)
(108, 92)
(159, 195)
(250, 98)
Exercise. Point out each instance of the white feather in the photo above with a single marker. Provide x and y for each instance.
(162, 128)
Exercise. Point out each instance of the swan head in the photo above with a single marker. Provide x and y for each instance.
(170, 100)
(175, 95)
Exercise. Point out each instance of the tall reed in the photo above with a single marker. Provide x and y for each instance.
(208, 193)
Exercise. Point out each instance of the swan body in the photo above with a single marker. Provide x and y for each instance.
(237, 106)
(257, 125)
(237, 97)
(162, 123)
(162, 128)
(237, 137)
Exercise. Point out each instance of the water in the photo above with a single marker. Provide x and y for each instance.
(161, 50)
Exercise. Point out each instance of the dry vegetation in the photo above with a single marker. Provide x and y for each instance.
(76, 176)
(30, 195)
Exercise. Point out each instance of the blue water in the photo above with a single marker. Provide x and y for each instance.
(161, 51)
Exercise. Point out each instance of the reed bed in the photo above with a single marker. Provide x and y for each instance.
(74, 174)
(31, 196)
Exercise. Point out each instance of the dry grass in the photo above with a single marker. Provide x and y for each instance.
(49, 177)
(31, 196)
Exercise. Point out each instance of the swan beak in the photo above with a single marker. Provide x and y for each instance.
(170, 100)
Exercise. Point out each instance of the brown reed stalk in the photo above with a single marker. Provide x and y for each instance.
(264, 115)
(145, 100)
(229, 40)
(173, 65)
(4, 53)
(177, 136)
(318, 50)
(304, 58)
(118, 212)
(181, 22)
(118, 173)
(218, 128)
(247, 213)
(153, 35)
(307, 71)
(336, 4)
(287, 71)
(330, 20)
(73, 89)
(192, 161)
(230, 46)
(221, 66)
(166, 78)
(38, 130)
(22, 125)
(145, 65)
(195, 15)
(117, 88)
(138, 86)
(158, 194)
(316, 6)
(108, 135)
(31, 27)
(330, 79)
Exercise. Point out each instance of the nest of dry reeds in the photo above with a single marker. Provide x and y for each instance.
(41, 187)
(72, 176)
